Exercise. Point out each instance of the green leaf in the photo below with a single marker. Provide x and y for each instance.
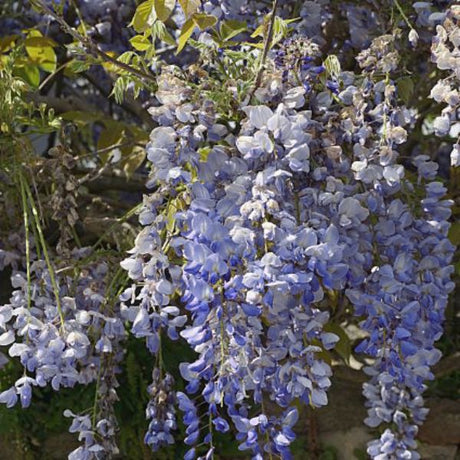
(164, 35)
(29, 73)
(189, 7)
(185, 34)
(81, 118)
(164, 8)
(119, 88)
(7, 42)
(280, 30)
(259, 31)
(109, 137)
(343, 346)
(255, 45)
(140, 42)
(77, 66)
(405, 87)
(141, 17)
(454, 233)
(126, 57)
(171, 216)
(133, 160)
(39, 41)
(204, 152)
(40, 50)
(231, 28)
(204, 21)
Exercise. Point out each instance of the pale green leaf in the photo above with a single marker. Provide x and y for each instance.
(164, 8)
(77, 66)
(204, 21)
(134, 160)
(258, 32)
(332, 66)
(140, 42)
(255, 45)
(343, 346)
(185, 34)
(231, 28)
(189, 7)
(141, 17)
(166, 37)
(160, 31)
(40, 50)
(29, 73)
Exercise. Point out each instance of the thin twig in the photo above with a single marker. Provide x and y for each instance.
(52, 75)
(104, 182)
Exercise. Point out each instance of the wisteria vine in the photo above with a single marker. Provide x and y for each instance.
(273, 208)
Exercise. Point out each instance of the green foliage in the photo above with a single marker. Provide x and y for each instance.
(405, 87)
(230, 29)
(189, 7)
(343, 346)
(40, 50)
(446, 387)
(332, 66)
(360, 454)
(142, 16)
(21, 425)
(280, 30)
(17, 111)
(185, 33)
(164, 8)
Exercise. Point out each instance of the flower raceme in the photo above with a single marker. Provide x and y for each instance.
(263, 223)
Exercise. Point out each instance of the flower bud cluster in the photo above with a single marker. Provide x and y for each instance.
(446, 55)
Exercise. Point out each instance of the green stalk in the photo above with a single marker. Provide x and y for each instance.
(401, 11)
(26, 229)
(96, 399)
(75, 236)
(45, 253)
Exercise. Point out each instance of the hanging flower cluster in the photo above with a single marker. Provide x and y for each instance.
(62, 332)
(251, 229)
(446, 55)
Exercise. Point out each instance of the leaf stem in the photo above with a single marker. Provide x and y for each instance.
(401, 11)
